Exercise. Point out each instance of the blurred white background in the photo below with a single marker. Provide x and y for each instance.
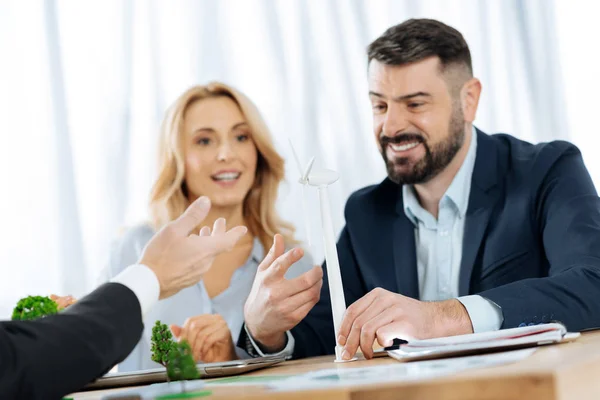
(84, 85)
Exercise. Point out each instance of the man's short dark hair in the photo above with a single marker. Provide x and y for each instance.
(417, 39)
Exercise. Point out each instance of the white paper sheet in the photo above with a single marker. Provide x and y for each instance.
(550, 330)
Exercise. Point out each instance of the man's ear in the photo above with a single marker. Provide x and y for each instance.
(469, 98)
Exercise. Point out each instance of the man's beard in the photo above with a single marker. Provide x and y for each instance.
(435, 158)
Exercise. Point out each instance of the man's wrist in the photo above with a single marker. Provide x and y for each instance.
(274, 345)
(269, 343)
(247, 343)
(453, 318)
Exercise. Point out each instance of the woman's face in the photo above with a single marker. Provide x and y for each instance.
(220, 155)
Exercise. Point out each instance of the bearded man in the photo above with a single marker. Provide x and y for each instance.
(468, 233)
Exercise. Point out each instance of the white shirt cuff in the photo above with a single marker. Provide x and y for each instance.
(142, 282)
(287, 350)
(485, 314)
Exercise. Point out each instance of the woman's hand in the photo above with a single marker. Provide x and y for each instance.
(209, 338)
(63, 301)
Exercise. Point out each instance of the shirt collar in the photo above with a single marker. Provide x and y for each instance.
(457, 193)
(460, 188)
(413, 210)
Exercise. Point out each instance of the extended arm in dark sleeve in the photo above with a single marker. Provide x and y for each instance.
(568, 211)
(57, 355)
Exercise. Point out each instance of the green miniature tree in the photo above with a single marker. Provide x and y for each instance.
(181, 365)
(175, 356)
(33, 307)
(162, 343)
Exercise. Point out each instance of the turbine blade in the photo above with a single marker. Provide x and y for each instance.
(308, 169)
(296, 158)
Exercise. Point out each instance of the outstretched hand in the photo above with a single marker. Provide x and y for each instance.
(178, 257)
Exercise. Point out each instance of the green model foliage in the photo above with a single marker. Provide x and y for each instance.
(181, 365)
(33, 307)
(162, 343)
(175, 356)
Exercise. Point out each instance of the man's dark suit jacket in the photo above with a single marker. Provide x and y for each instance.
(59, 354)
(531, 241)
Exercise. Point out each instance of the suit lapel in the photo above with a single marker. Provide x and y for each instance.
(481, 203)
(405, 259)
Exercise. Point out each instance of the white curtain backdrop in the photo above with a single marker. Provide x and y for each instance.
(84, 85)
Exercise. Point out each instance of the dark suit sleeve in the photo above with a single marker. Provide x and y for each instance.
(567, 211)
(59, 354)
(314, 336)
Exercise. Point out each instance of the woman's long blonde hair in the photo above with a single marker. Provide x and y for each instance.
(168, 199)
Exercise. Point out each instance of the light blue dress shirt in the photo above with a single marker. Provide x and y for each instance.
(191, 301)
(439, 245)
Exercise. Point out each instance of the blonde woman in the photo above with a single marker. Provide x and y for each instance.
(213, 143)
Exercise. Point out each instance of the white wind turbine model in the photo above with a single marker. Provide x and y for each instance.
(322, 178)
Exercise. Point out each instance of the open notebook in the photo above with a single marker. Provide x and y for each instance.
(476, 343)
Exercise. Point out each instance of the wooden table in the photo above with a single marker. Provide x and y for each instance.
(564, 371)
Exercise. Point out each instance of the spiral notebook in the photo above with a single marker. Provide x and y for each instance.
(485, 342)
